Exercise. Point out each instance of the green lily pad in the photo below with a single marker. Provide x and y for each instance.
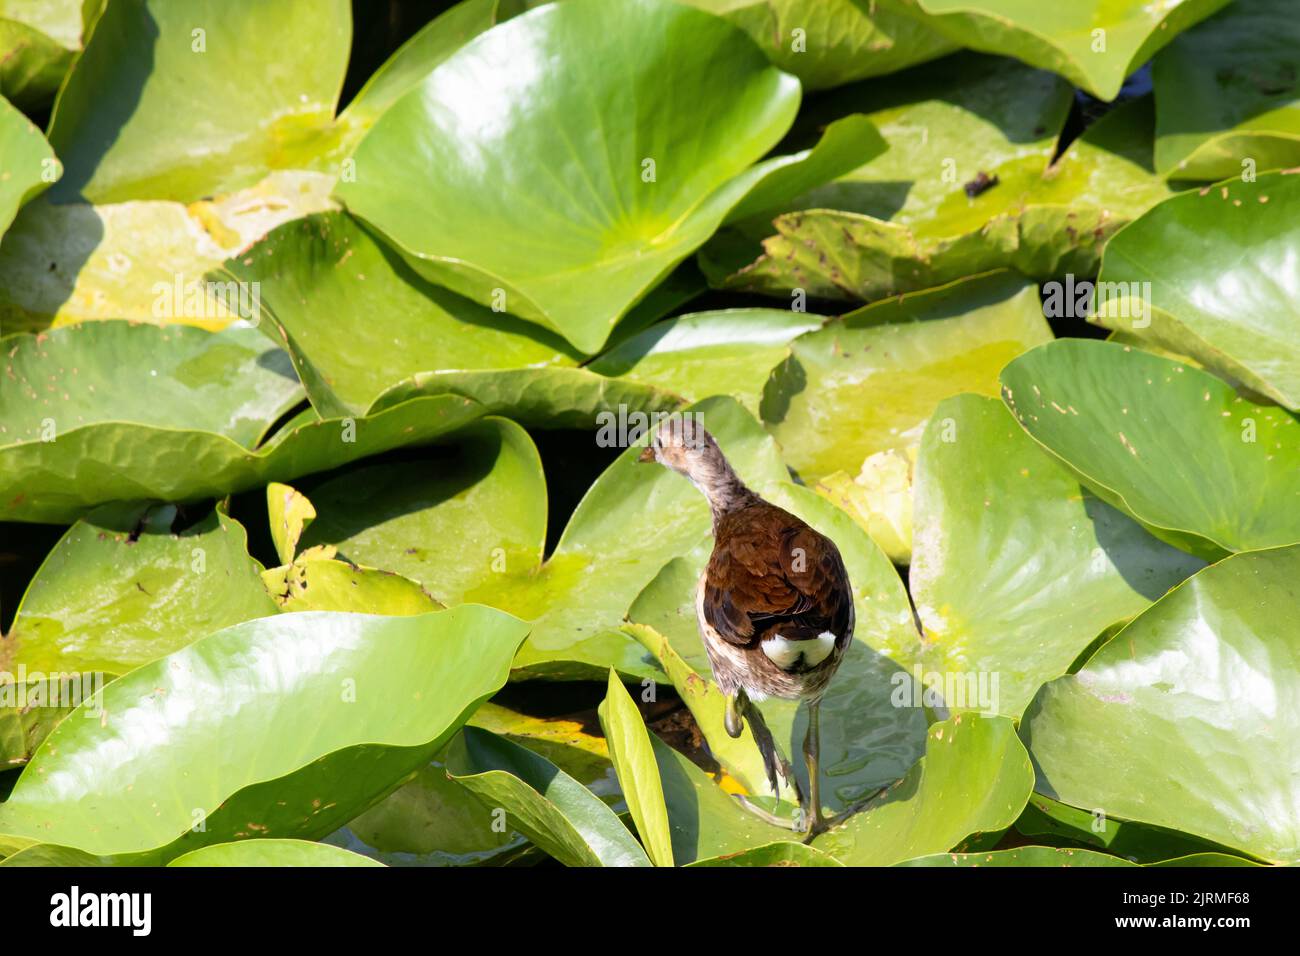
(867, 739)
(709, 353)
(1124, 421)
(1021, 856)
(272, 853)
(121, 588)
(146, 261)
(773, 854)
(1166, 280)
(908, 220)
(1228, 92)
(974, 778)
(88, 433)
(324, 278)
(38, 39)
(627, 165)
(168, 770)
(869, 381)
(186, 122)
(556, 812)
(27, 164)
(637, 769)
(1005, 540)
(1094, 44)
(487, 494)
(831, 42)
(1189, 712)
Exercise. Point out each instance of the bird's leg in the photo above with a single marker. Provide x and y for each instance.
(817, 823)
(777, 767)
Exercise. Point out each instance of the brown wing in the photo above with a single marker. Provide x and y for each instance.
(769, 570)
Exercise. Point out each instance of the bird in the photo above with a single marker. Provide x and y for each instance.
(774, 607)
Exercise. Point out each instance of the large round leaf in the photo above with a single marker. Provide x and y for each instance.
(555, 144)
(285, 726)
(121, 589)
(1015, 568)
(869, 381)
(1174, 447)
(965, 187)
(481, 502)
(1213, 274)
(974, 778)
(88, 433)
(1188, 719)
(1229, 94)
(357, 319)
(160, 104)
(1094, 44)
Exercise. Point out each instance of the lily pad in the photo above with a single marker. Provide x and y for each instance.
(552, 809)
(709, 353)
(27, 164)
(1166, 279)
(263, 853)
(1229, 93)
(126, 787)
(1094, 44)
(146, 261)
(965, 187)
(621, 184)
(869, 381)
(1189, 712)
(1006, 540)
(637, 769)
(323, 281)
(831, 42)
(122, 588)
(185, 121)
(38, 40)
(974, 778)
(88, 433)
(1125, 421)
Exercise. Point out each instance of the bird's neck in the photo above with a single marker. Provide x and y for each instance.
(715, 477)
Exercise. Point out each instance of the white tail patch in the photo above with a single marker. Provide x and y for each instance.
(789, 655)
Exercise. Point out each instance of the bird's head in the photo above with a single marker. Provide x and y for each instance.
(683, 444)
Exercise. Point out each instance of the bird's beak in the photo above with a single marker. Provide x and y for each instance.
(647, 454)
